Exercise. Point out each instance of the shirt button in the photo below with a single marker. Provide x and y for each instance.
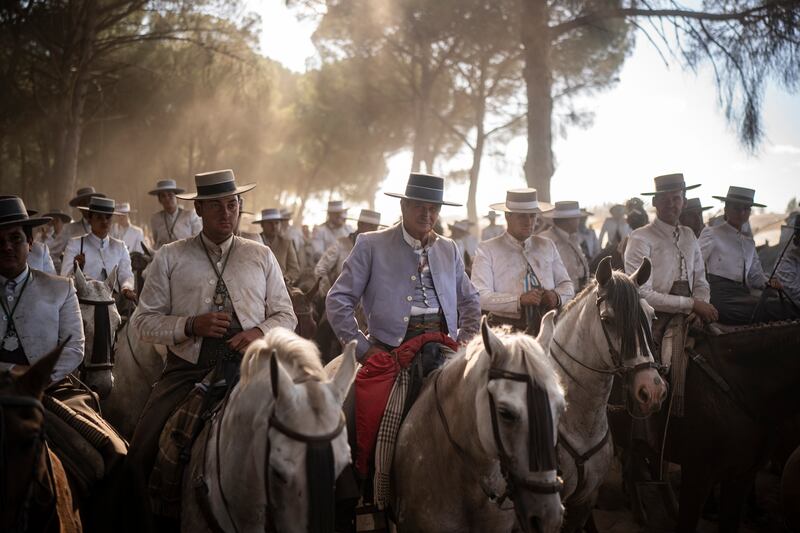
(413, 278)
(400, 339)
(409, 298)
(211, 282)
(208, 300)
(405, 319)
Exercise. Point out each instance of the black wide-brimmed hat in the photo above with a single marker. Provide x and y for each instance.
(166, 186)
(104, 206)
(216, 184)
(694, 204)
(82, 194)
(13, 213)
(58, 213)
(522, 201)
(740, 195)
(425, 188)
(670, 183)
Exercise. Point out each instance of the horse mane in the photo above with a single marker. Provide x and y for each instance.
(300, 357)
(622, 295)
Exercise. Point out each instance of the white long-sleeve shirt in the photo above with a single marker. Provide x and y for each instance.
(181, 224)
(39, 258)
(731, 254)
(132, 236)
(672, 261)
(101, 254)
(501, 265)
(325, 236)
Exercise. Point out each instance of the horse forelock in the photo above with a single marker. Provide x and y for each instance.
(298, 356)
(98, 291)
(622, 295)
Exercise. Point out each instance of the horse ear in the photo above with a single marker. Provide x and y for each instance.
(313, 290)
(546, 330)
(147, 251)
(111, 280)
(491, 343)
(642, 273)
(80, 282)
(37, 378)
(346, 373)
(603, 273)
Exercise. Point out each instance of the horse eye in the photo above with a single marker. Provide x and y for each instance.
(508, 415)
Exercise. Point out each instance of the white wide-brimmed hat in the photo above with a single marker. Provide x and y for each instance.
(166, 186)
(104, 206)
(125, 208)
(567, 209)
(268, 214)
(522, 201)
(368, 216)
(216, 184)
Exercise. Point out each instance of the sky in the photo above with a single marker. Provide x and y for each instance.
(656, 120)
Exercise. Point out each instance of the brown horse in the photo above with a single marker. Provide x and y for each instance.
(34, 492)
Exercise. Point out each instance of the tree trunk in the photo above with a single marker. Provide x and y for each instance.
(421, 105)
(538, 76)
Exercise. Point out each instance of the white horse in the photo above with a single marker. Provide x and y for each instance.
(476, 452)
(603, 332)
(273, 451)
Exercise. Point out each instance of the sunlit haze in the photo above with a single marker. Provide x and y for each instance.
(657, 120)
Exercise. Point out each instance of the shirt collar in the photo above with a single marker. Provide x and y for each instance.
(416, 244)
(218, 249)
(18, 279)
(100, 243)
(510, 239)
(729, 227)
(663, 226)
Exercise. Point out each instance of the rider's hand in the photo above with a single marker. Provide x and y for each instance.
(775, 283)
(550, 299)
(532, 298)
(241, 341)
(706, 311)
(130, 295)
(212, 325)
(80, 260)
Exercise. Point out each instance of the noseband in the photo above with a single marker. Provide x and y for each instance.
(22, 402)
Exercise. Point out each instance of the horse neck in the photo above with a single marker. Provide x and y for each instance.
(578, 332)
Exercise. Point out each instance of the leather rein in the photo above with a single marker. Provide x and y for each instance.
(514, 482)
(22, 402)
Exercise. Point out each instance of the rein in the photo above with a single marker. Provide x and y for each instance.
(22, 522)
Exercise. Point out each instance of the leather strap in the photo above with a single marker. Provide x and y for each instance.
(581, 459)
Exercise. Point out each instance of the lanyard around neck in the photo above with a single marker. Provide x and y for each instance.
(10, 314)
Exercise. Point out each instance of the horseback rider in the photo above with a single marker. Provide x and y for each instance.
(283, 247)
(207, 298)
(40, 312)
(789, 269)
(492, 230)
(677, 286)
(330, 264)
(564, 233)
(78, 227)
(692, 215)
(122, 229)
(54, 232)
(96, 252)
(520, 276)
(173, 222)
(39, 255)
(734, 267)
(325, 235)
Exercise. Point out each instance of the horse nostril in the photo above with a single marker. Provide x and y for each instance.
(644, 395)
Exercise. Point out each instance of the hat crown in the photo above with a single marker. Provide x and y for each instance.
(669, 182)
(166, 184)
(526, 195)
(215, 177)
(741, 192)
(369, 216)
(124, 207)
(336, 205)
(567, 205)
(83, 191)
(693, 203)
(12, 207)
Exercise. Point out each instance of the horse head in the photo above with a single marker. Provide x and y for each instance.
(624, 325)
(100, 323)
(307, 444)
(23, 455)
(525, 401)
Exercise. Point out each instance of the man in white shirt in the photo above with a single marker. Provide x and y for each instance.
(677, 286)
(520, 276)
(54, 233)
(172, 223)
(615, 227)
(325, 235)
(97, 253)
(564, 233)
(122, 229)
(492, 230)
(78, 227)
(589, 243)
(330, 264)
(734, 267)
(282, 247)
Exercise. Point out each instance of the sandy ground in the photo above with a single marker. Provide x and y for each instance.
(613, 516)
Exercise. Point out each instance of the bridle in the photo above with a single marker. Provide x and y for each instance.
(21, 402)
(540, 460)
(102, 345)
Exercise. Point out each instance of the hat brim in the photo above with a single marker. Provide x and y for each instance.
(176, 190)
(89, 210)
(260, 220)
(701, 208)
(738, 201)
(239, 190)
(555, 215)
(686, 188)
(63, 216)
(30, 222)
(426, 200)
(74, 201)
(544, 207)
(365, 222)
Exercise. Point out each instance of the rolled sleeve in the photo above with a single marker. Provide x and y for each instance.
(344, 296)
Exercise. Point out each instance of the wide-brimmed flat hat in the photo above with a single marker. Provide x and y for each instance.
(462, 225)
(740, 195)
(337, 206)
(522, 201)
(13, 213)
(268, 214)
(670, 183)
(286, 214)
(216, 184)
(124, 208)
(58, 213)
(492, 215)
(166, 186)
(567, 209)
(102, 205)
(82, 194)
(424, 188)
(368, 216)
(693, 204)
